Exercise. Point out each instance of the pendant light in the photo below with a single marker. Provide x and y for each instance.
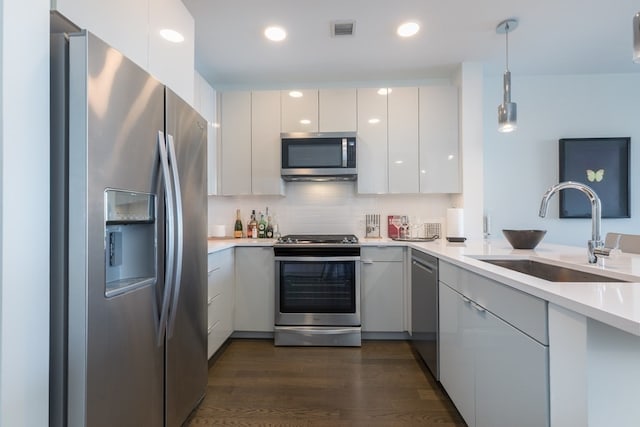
(507, 111)
(636, 38)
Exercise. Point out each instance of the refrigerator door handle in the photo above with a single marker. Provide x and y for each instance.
(170, 232)
(173, 162)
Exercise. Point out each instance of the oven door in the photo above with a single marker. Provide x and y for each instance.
(317, 289)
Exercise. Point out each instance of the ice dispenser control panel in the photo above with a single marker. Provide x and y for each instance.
(130, 241)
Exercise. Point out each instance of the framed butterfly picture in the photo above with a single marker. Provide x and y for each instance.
(603, 165)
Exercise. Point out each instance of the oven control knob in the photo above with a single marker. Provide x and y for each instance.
(289, 240)
(345, 240)
(354, 240)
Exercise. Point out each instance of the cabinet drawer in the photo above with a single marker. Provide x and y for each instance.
(214, 310)
(523, 311)
(216, 260)
(382, 254)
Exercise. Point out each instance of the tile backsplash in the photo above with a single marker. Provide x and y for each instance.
(327, 207)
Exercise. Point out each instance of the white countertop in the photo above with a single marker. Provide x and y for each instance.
(613, 303)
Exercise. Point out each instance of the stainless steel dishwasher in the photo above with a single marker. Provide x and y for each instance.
(424, 308)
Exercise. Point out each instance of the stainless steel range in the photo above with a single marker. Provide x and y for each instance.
(317, 290)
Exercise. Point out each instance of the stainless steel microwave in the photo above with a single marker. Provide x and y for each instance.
(319, 156)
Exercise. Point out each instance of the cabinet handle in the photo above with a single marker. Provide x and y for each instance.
(465, 299)
(479, 308)
(366, 261)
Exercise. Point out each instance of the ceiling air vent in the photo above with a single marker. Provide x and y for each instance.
(342, 28)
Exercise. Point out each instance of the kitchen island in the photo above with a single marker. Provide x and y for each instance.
(593, 329)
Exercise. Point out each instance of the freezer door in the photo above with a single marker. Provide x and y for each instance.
(186, 349)
(115, 365)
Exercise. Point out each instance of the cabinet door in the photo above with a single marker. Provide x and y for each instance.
(299, 113)
(205, 104)
(511, 376)
(372, 161)
(337, 110)
(255, 289)
(382, 296)
(439, 151)
(123, 24)
(457, 351)
(236, 143)
(265, 143)
(403, 140)
(171, 63)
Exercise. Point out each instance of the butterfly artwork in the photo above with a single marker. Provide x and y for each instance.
(595, 176)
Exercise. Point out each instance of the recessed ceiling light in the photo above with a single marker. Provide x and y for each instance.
(374, 121)
(305, 121)
(384, 91)
(408, 29)
(295, 94)
(275, 34)
(450, 157)
(171, 35)
(398, 162)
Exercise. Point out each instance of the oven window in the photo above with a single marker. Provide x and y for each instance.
(317, 287)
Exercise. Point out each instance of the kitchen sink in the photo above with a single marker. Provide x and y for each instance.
(550, 272)
(414, 239)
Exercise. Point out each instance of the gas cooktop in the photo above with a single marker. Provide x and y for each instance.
(328, 239)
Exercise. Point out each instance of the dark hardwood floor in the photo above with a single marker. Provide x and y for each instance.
(253, 383)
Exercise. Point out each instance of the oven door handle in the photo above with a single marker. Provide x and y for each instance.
(317, 258)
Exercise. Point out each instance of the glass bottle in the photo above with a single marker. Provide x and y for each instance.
(237, 227)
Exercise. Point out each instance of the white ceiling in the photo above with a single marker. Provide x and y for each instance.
(553, 37)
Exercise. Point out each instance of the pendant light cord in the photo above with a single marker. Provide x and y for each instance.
(506, 33)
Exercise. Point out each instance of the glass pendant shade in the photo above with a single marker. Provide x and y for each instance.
(507, 111)
(636, 38)
(507, 117)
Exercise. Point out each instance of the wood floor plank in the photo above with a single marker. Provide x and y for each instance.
(254, 383)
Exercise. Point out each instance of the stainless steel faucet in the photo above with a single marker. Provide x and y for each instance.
(595, 245)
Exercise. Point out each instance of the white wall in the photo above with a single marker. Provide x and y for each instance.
(328, 207)
(24, 212)
(520, 166)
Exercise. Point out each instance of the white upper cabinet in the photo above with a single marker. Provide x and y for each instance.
(265, 143)
(439, 148)
(402, 116)
(133, 27)
(337, 110)
(299, 110)
(372, 161)
(172, 63)
(123, 24)
(235, 128)
(205, 103)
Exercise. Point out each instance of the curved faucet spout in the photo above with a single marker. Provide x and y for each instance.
(596, 212)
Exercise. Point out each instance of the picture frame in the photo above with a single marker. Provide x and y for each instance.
(603, 165)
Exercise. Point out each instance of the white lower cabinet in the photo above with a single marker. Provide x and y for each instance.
(382, 289)
(255, 289)
(496, 374)
(220, 299)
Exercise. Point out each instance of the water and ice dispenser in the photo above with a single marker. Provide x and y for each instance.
(130, 241)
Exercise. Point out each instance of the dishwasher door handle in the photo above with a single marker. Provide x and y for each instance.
(428, 268)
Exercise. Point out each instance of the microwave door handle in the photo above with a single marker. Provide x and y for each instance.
(344, 152)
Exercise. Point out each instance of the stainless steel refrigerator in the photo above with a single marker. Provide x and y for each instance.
(128, 246)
